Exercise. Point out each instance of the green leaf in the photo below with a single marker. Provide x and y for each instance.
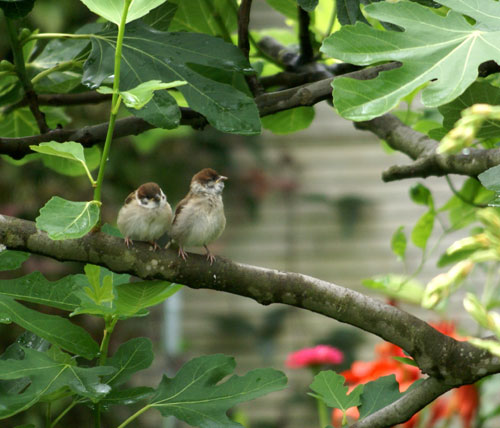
(349, 12)
(48, 376)
(286, 7)
(21, 123)
(112, 9)
(36, 288)
(63, 219)
(396, 286)
(477, 93)
(68, 150)
(491, 178)
(421, 195)
(99, 292)
(160, 17)
(289, 121)
(378, 394)
(127, 396)
(429, 48)
(406, 360)
(15, 9)
(198, 396)
(153, 55)
(10, 260)
(423, 229)
(329, 387)
(133, 298)
(131, 357)
(214, 17)
(55, 329)
(71, 168)
(398, 243)
(139, 96)
(308, 5)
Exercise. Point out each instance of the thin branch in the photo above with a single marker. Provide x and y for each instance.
(410, 403)
(306, 49)
(422, 150)
(244, 42)
(30, 93)
(452, 362)
(268, 103)
(80, 98)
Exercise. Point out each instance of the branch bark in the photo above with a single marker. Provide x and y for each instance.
(451, 362)
(422, 150)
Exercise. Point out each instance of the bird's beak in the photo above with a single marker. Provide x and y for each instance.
(221, 178)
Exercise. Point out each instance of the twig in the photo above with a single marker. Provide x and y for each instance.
(306, 49)
(30, 94)
(402, 409)
(244, 42)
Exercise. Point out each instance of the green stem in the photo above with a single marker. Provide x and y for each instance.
(114, 101)
(57, 36)
(134, 416)
(63, 413)
(59, 67)
(47, 415)
(322, 413)
(108, 329)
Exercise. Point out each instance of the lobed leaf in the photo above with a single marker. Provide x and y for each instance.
(55, 329)
(429, 48)
(153, 55)
(48, 376)
(329, 387)
(198, 396)
(378, 394)
(130, 357)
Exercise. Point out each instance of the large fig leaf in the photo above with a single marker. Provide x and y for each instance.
(198, 396)
(149, 54)
(446, 50)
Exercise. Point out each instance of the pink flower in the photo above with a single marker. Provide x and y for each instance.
(319, 355)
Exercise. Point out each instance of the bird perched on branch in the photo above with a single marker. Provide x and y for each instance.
(199, 218)
(145, 216)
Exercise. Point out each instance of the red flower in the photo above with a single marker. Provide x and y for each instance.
(319, 355)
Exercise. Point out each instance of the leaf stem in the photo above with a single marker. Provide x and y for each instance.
(31, 95)
(56, 36)
(108, 329)
(59, 67)
(114, 102)
(134, 416)
(322, 413)
(63, 413)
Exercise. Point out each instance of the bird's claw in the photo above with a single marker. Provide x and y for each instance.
(155, 245)
(128, 242)
(210, 256)
(182, 254)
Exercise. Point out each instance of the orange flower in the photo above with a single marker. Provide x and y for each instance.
(463, 401)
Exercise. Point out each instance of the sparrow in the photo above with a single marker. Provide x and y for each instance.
(146, 215)
(199, 218)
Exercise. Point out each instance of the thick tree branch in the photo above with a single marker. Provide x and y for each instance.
(410, 403)
(422, 150)
(453, 363)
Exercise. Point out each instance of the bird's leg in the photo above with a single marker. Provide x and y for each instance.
(210, 256)
(155, 245)
(182, 254)
(128, 242)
